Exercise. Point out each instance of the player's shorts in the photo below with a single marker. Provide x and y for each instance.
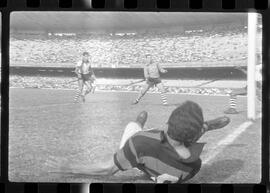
(153, 81)
(87, 77)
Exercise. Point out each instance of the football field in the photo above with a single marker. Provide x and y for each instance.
(46, 123)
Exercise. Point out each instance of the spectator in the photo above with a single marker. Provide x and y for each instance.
(221, 44)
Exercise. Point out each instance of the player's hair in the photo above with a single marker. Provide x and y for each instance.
(185, 122)
(85, 54)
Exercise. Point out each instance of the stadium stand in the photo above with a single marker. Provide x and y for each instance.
(214, 46)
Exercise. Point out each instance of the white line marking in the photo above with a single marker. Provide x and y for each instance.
(228, 140)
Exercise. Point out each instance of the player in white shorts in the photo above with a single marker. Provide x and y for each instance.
(86, 77)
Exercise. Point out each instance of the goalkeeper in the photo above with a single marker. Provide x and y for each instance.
(171, 155)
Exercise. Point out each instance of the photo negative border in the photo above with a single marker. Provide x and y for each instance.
(7, 6)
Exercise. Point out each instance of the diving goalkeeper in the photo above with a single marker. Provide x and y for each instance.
(165, 156)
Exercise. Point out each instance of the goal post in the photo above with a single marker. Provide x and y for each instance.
(251, 81)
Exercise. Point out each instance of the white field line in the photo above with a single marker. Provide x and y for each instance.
(126, 91)
(228, 140)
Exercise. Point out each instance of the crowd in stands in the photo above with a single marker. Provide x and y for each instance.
(112, 50)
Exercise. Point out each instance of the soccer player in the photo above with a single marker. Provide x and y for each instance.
(243, 91)
(86, 77)
(169, 155)
(152, 75)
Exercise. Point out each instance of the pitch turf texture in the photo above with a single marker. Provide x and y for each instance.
(46, 124)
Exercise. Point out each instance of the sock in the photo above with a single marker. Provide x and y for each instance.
(233, 101)
(77, 95)
(164, 98)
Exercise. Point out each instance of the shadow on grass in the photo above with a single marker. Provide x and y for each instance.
(218, 171)
(121, 177)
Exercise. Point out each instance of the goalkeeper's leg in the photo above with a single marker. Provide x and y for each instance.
(133, 127)
(212, 124)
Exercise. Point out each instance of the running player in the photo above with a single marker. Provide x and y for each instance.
(169, 155)
(243, 91)
(86, 77)
(152, 75)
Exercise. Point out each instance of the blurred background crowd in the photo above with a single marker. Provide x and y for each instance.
(209, 47)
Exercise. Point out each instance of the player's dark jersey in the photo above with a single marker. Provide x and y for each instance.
(150, 152)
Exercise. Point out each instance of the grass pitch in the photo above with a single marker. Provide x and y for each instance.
(45, 123)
